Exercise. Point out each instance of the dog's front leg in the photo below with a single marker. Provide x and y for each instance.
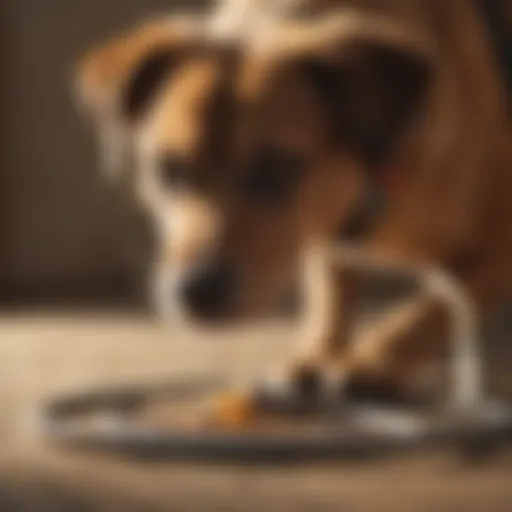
(329, 302)
(329, 293)
(393, 356)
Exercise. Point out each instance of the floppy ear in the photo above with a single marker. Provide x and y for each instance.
(117, 82)
(372, 84)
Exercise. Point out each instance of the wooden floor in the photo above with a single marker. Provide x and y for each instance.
(49, 352)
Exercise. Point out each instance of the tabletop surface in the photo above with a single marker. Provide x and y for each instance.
(43, 353)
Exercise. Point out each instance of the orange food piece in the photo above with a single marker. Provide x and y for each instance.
(234, 411)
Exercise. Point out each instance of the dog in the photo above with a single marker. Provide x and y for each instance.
(261, 129)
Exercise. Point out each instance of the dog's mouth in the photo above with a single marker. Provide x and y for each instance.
(206, 297)
(215, 298)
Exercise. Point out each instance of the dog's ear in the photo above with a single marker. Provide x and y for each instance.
(372, 83)
(117, 82)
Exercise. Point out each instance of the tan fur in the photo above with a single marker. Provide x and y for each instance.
(104, 71)
(453, 207)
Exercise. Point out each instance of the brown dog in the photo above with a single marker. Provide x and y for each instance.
(259, 132)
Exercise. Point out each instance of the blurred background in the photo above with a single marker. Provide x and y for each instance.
(64, 233)
(73, 265)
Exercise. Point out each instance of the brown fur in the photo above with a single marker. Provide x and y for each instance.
(450, 151)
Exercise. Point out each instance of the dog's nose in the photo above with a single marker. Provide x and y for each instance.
(209, 292)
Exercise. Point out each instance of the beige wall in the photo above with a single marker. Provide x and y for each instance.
(61, 228)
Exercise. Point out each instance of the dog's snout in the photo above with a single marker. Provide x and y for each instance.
(209, 292)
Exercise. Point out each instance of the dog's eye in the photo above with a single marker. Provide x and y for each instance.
(272, 174)
(174, 172)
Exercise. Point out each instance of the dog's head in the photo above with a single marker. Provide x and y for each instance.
(249, 153)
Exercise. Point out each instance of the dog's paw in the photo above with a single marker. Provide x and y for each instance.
(363, 386)
(303, 387)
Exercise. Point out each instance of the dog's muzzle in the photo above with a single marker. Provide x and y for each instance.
(209, 292)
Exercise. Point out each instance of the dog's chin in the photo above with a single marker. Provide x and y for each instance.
(173, 312)
(253, 305)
